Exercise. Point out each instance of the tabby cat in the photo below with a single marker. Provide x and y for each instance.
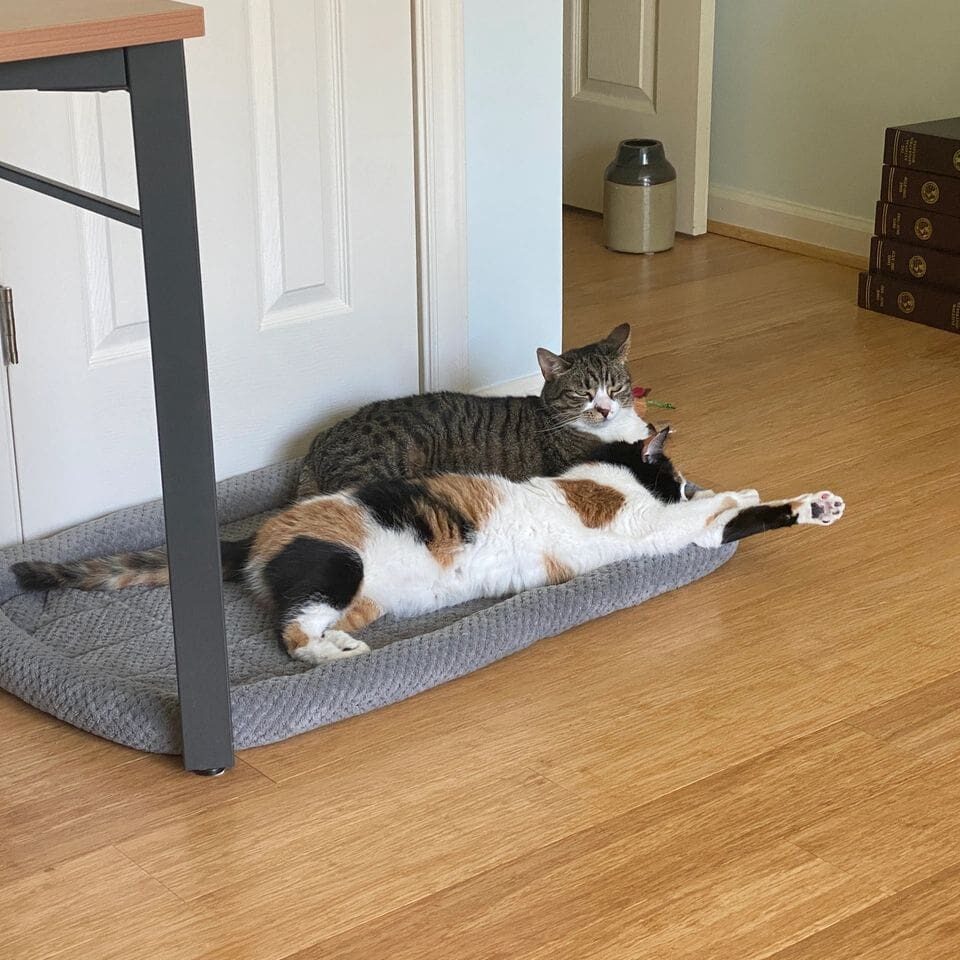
(332, 564)
(586, 399)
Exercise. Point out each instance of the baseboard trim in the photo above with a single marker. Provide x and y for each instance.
(521, 387)
(771, 222)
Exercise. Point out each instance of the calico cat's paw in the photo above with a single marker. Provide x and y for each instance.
(347, 645)
(747, 498)
(821, 508)
(333, 645)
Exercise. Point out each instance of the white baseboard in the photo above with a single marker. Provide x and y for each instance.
(521, 387)
(793, 221)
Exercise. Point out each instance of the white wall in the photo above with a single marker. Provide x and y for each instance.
(802, 94)
(513, 85)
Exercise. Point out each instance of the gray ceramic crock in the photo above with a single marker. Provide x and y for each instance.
(640, 199)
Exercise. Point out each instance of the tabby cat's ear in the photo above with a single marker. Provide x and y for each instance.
(551, 365)
(653, 446)
(619, 340)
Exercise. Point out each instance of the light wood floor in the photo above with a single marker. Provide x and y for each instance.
(764, 764)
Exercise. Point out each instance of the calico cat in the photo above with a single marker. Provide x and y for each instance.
(334, 563)
(586, 400)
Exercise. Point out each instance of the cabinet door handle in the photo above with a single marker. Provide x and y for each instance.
(8, 327)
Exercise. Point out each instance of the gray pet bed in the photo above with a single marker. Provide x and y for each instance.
(104, 661)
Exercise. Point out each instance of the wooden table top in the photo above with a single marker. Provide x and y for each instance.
(47, 28)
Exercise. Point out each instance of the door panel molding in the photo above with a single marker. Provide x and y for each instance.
(438, 63)
(302, 191)
(607, 67)
(114, 299)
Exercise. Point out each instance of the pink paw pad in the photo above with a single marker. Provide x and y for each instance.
(825, 508)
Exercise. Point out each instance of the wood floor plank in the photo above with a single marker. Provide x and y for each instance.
(338, 852)
(924, 722)
(706, 865)
(616, 901)
(685, 316)
(919, 923)
(99, 907)
(596, 275)
(37, 746)
(96, 808)
(897, 836)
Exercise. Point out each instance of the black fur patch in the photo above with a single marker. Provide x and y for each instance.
(233, 557)
(307, 569)
(753, 520)
(400, 505)
(658, 477)
(393, 503)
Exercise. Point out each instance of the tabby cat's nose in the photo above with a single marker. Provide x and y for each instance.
(604, 412)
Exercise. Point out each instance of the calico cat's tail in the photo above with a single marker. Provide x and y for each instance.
(146, 568)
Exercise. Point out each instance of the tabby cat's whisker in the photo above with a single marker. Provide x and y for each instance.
(553, 428)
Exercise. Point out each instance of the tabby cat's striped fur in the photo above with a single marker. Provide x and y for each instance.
(586, 399)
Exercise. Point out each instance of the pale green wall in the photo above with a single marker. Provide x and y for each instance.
(803, 90)
(514, 86)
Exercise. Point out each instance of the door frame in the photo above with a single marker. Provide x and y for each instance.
(440, 165)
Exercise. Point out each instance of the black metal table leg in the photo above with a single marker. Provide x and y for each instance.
(156, 80)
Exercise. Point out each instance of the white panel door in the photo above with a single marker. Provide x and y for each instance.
(635, 69)
(302, 124)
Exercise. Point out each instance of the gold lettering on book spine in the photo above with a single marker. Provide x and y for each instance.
(908, 151)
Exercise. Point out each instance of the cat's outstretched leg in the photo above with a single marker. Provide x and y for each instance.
(700, 520)
(820, 509)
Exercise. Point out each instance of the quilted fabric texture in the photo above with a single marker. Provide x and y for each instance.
(105, 662)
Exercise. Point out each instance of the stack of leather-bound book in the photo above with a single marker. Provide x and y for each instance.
(914, 270)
